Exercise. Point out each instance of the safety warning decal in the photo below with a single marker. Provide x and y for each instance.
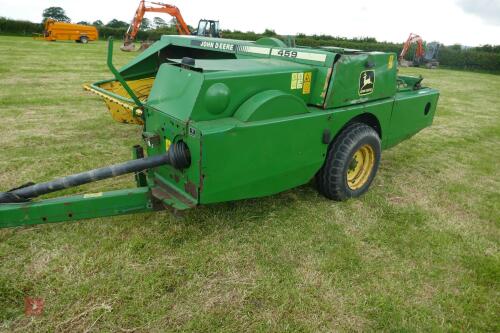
(390, 63)
(307, 83)
(301, 81)
(297, 81)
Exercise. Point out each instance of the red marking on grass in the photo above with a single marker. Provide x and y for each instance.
(33, 306)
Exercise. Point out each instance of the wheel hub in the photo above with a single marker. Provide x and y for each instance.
(360, 167)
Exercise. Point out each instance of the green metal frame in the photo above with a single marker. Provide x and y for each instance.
(77, 207)
(118, 76)
(97, 86)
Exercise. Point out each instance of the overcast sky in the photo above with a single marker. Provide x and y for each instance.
(468, 22)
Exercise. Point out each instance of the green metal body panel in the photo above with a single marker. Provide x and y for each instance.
(254, 116)
(344, 88)
(412, 111)
(266, 157)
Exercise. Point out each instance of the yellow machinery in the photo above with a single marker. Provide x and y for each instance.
(55, 30)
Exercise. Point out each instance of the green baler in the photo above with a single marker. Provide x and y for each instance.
(227, 120)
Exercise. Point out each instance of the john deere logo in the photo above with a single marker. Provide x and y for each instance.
(366, 82)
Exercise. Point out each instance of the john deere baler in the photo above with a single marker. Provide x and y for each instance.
(227, 120)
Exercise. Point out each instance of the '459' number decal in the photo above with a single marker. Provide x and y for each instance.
(285, 53)
(310, 56)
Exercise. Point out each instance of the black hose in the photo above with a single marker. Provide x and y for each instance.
(177, 156)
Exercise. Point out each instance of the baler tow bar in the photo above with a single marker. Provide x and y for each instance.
(16, 209)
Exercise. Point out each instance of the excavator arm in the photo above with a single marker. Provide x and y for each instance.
(181, 25)
(413, 38)
(157, 7)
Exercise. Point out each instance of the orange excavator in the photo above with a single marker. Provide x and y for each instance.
(423, 56)
(205, 27)
(419, 52)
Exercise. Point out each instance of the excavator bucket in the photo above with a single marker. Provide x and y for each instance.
(128, 47)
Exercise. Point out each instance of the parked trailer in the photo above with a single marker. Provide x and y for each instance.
(56, 30)
(227, 120)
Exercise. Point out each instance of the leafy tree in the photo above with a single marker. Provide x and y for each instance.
(56, 13)
(83, 22)
(114, 23)
(159, 23)
(270, 33)
(145, 24)
(173, 22)
(98, 23)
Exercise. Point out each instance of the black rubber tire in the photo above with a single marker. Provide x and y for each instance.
(84, 40)
(331, 179)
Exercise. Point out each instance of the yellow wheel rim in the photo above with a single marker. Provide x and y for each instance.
(360, 167)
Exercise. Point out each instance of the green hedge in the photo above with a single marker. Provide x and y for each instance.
(483, 58)
(469, 59)
(15, 27)
(118, 33)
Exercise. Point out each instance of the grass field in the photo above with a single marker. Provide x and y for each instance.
(418, 252)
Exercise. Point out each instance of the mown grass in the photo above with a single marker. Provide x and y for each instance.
(418, 252)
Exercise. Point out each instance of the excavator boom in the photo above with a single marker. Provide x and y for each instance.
(156, 7)
(413, 38)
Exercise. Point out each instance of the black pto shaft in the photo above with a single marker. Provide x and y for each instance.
(178, 156)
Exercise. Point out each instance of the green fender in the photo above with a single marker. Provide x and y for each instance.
(270, 104)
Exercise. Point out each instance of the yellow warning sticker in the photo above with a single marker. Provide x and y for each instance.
(307, 88)
(391, 62)
(307, 76)
(301, 81)
(307, 83)
(168, 143)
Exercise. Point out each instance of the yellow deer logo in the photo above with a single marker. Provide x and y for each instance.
(366, 80)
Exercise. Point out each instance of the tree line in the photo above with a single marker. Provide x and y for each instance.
(483, 58)
(59, 14)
